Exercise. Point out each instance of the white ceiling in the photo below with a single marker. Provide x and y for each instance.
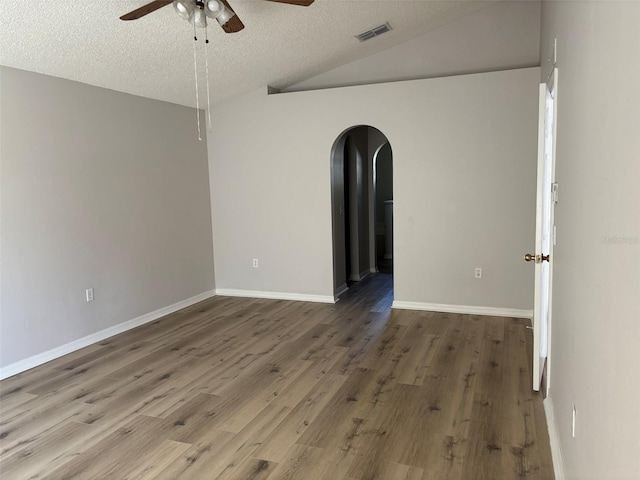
(84, 40)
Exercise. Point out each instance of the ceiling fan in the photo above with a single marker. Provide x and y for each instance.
(197, 11)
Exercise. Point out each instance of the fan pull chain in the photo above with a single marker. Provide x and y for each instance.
(195, 70)
(206, 63)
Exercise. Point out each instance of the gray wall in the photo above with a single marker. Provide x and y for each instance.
(360, 222)
(376, 140)
(339, 215)
(595, 362)
(498, 37)
(384, 181)
(99, 189)
(464, 186)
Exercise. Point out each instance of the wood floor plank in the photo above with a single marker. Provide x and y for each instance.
(114, 407)
(301, 462)
(542, 435)
(298, 390)
(393, 435)
(157, 460)
(332, 462)
(393, 471)
(203, 378)
(231, 455)
(218, 455)
(290, 430)
(31, 379)
(193, 419)
(189, 465)
(456, 412)
(254, 469)
(84, 390)
(417, 360)
(258, 389)
(15, 402)
(125, 448)
(520, 437)
(375, 348)
(484, 458)
(27, 427)
(50, 451)
(356, 398)
(484, 455)
(110, 357)
(446, 458)
(492, 363)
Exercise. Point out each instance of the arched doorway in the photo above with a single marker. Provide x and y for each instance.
(361, 183)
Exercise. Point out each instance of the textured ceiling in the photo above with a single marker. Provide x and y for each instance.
(84, 40)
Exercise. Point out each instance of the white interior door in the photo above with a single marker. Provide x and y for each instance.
(545, 228)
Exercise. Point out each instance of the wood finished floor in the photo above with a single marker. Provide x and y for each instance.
(254, 389)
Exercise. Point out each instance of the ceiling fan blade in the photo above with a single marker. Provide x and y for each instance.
(234, 24)
(302, 3)
(146, 9)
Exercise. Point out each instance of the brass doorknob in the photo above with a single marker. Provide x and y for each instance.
(537, 258)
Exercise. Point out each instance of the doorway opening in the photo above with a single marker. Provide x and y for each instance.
(361, 206)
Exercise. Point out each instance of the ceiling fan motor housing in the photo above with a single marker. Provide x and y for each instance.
(196, 11)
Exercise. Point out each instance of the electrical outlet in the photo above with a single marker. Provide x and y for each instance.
(255, 263)
(478, 272)
(89, 293)
(573, 422)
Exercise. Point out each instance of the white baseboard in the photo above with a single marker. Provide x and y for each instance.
(298, 297)
(464, 309)
(340, 290)
(356, 277)
(554, 440)
(41, 358)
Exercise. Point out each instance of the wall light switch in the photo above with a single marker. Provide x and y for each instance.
(89, 294)
(255, 263)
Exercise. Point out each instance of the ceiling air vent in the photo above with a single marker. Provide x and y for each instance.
(374, 32)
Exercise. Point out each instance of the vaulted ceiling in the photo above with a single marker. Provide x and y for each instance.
(153, 57)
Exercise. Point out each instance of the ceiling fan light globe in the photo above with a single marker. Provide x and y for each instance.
(213, 8)
(199, 18)
(185, 8)
(225, 16)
